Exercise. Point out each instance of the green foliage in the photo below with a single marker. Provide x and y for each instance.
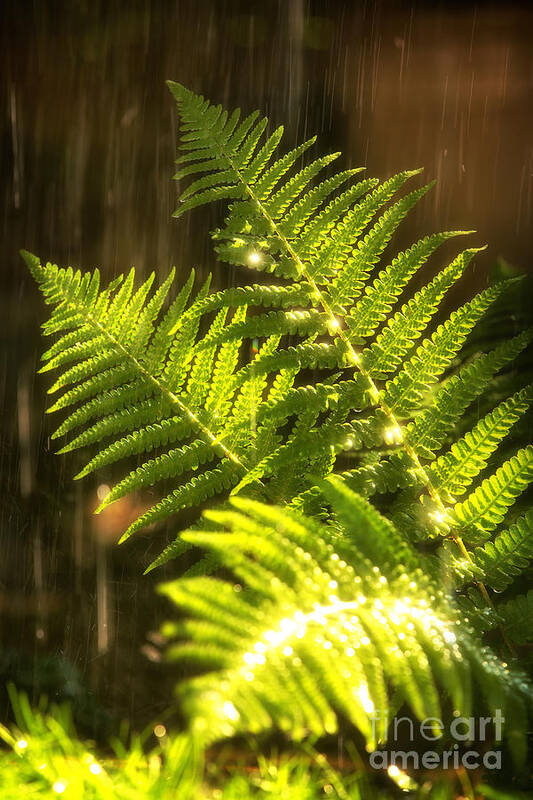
(517, 617)
(485, 508)
(333, 381)
(47, 760)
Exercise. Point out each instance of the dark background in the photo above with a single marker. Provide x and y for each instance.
(88, 133)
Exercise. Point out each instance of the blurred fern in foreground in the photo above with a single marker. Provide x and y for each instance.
(328, 619)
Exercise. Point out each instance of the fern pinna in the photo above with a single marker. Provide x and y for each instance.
(212, 390)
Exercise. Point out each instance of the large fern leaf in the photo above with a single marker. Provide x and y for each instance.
(214, 395)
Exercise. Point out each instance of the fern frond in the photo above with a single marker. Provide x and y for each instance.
(373, 535)
(485, 508)
(517, 617)
(133, 388)
(454, 471)
(254, 295)
(387, 475)
(144, 439)
(404, 328)
(147, 384)
(292, 652)
(405, 391)
(336, 254)
(215, 395)
(352, 273)
(302, 323)
(429, 430)
(379, 297)
(191, 494)
(348, 261)
(508, 555)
